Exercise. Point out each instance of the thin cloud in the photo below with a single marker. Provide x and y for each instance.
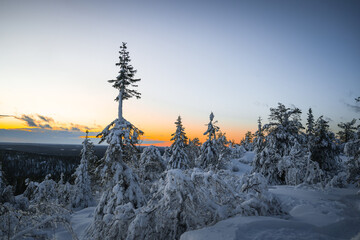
(44, 122)
(29, 120)
(45, 119)
(46, 126)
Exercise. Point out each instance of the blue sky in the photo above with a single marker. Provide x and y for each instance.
(235, 58)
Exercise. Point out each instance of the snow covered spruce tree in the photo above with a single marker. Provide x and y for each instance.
(352, 150)
(323, 149)
(121, 184)
(259, 138)
(179, 157)
(209, 155)
(247, 142)
(151, 167)
(223, 151)
(82, 194)
(310, 125)
(193, 149)
(276, 160)
(93, 163)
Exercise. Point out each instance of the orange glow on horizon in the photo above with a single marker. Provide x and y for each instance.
(158, 131)
(12, 123)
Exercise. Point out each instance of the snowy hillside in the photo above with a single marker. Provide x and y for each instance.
(313, 213)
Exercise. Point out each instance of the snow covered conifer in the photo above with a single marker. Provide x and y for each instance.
(352, 150)
(310, 124)
(212, 128)
(93, 161)
(259, 138)
(193, 149)
(348, 131)
(125, 79)
(167, 154)
(121, 183)
(209, 155)
(247, 141)
(151, 164)
(179, 157)
(283, 133)
(323, 149)
(82, 195)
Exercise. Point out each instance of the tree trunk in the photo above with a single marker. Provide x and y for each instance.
(120, 115)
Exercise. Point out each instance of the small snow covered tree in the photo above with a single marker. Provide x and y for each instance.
(247, 142)
(82, 194)
(152, 164)
(352, 150)
(93, 162)
(285, 126)
(46, 191)
(193, 150)
(179, 157)
(120, 182)
(167, 154)
(223, 150)
(323, 149)
(348, 131)
(310, 124)
(209, 155)
(283, 133)
(259, 138)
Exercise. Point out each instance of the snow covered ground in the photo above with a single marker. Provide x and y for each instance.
(313, 214)
(80, 220)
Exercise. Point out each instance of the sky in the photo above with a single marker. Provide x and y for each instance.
(233, 58)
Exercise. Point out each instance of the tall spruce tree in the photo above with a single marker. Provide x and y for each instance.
(122, 189)
(179, 157)
(125, 79)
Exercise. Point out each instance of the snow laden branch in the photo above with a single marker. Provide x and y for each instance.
(120, 134)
